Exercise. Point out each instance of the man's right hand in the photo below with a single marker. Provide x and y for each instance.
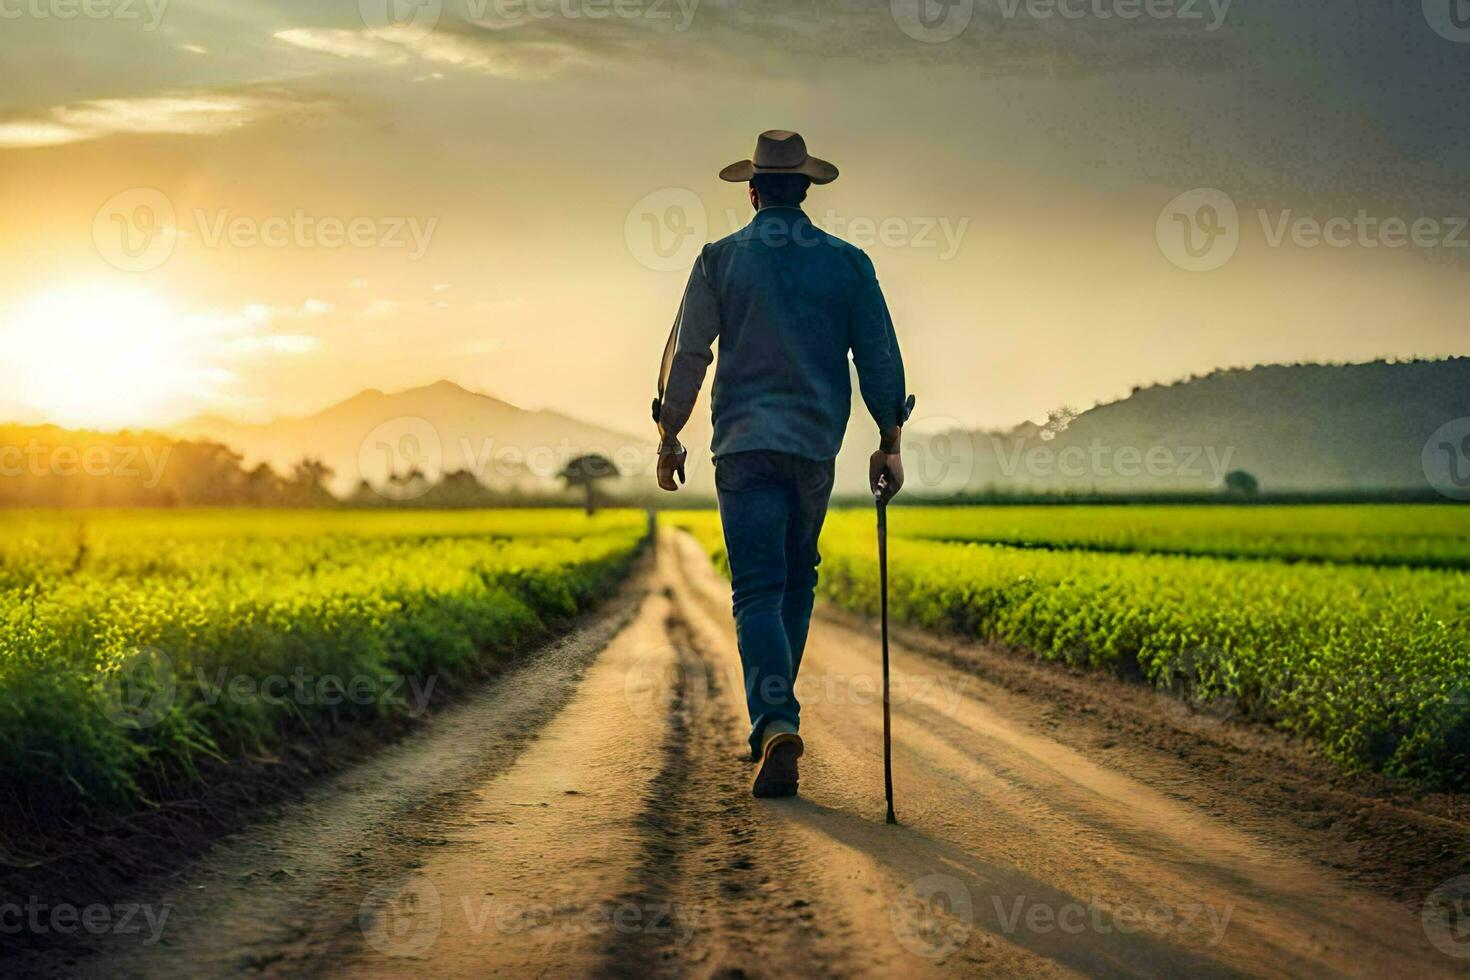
(670, 464)
(885, 474)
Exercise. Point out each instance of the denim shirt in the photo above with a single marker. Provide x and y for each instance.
(787, 303)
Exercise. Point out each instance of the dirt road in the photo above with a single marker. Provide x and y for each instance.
(590, 813)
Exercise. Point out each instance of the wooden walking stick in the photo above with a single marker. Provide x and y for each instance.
(882, 506)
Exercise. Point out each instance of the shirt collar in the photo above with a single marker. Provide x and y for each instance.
(781, 212)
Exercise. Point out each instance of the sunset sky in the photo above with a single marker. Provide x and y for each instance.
(258, 208)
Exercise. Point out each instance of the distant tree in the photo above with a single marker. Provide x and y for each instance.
(587, 471)
(262, 485)
(308, 483)
(1239, 483)
(459, 488)
(364, 495)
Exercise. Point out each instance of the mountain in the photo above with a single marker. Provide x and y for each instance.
(436, 429)
(1294, 427)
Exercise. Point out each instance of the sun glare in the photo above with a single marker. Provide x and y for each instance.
(99, 357)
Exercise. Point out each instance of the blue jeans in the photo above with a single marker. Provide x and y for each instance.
(772, 506)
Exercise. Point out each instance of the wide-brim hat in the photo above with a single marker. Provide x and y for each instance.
(780, 151)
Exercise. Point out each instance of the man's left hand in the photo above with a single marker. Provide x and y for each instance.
(669, 466)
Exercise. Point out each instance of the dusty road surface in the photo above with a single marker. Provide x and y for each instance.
(590, 813)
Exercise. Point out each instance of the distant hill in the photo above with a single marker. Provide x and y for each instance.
(1296, 427)
(1299, 427)
(436, 429)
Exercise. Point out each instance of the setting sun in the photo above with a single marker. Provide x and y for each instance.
(100, 356)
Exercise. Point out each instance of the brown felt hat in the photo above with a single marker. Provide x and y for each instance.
(780, 151)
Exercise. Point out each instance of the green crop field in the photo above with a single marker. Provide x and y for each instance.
(1276, 613)
(1423, 535)
(134, 644)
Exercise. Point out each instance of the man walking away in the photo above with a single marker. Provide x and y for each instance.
(787, 302)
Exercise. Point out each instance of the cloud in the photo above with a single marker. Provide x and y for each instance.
(345, 44)
(205, 113)
(38, 132)
(276, 343)
(249, 330)
(380, 307)
(314, 307)
(467, 49)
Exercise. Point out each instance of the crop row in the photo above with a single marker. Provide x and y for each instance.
(132, 649)
(1421, 535)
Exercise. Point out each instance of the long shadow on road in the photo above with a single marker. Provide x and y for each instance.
(953, 891)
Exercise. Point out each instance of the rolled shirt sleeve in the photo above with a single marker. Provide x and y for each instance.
(875, 352)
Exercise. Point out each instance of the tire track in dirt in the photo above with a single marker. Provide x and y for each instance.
(747, 894)
(539, 862)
